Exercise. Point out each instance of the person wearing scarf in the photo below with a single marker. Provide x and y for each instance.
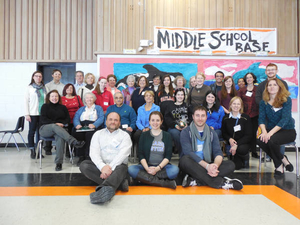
(34, 99)
(202, 159)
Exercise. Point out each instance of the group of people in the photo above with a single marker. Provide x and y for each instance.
(103, 125)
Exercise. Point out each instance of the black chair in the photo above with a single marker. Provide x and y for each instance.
(19, 128)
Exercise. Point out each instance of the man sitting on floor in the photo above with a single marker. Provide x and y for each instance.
(109, 151)
(202, 158)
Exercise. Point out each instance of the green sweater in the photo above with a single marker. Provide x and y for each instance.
(145, 144)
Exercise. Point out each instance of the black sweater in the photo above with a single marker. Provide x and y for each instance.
(244, 136)
(175, 114)
(54, 113)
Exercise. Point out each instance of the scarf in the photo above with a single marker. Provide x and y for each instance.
(207, 150)
(89, 86)
(37, 89)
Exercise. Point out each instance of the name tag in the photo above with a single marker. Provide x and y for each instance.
(200, 148)
(237, 128)
(124, 126)
(105, 103)
(143, 93)
(249, 94)
(276, 109)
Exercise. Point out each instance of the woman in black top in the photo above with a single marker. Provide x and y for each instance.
(237, 132)
(54, 117)
(137, 97)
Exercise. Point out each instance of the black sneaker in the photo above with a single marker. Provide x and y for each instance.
(48, 152)
(58, 167)
(103, 195)
(188, 181)
(234, 184)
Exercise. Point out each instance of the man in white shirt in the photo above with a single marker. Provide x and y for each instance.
(79, 77)
(109, 151)
(55, 84)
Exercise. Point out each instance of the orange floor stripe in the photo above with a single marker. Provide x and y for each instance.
(283, 199)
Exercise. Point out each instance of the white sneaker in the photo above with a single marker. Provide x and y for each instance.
(188, 181)
(234, 184)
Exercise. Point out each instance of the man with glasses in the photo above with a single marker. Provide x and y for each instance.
(127, 113)
(271, 71)
(217, 86)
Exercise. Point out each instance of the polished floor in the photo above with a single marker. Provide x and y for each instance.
(30, 195)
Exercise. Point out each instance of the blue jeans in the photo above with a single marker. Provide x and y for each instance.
(176, 138)
(171, 170)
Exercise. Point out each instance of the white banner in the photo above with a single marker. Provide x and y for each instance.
(216, 40)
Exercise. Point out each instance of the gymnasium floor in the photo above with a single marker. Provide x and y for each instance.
(29, 195)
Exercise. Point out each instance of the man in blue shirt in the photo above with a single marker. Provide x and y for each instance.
(127, 113)
(202, 158)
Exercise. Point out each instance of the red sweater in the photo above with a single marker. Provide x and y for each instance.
(72, 105)
(104, 100)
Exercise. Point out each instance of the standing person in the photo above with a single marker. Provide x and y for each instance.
(54, 116)
(202, 158)
(180, 82)
(72, 102)
(192, 82)
(197, 95)
(79, 76)
(104, 97)
(247, 94)
(217, 86)
(127, 113)
(55, 84)
(241, 83)
(155, 152)
(156, 83)
(111, 87)
(227, 92)
(137, 97)
(237, 132)
(34, 99)
(108, 167)
(89, 80)
(127, 92)
(87, 120)
(271, 71)
(215, 112)
(177, 118)
(276, 123)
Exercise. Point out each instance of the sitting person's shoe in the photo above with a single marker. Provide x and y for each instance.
(81, 159)
(78, 144)
(289, 167)
(124, 186)
(188, 181)
(255, 155)
(234, 184)
(278, 173)
(102, 195)
(268, 159)
(58, 167)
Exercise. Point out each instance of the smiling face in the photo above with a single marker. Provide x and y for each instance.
(167, 81)
(112, 82)
(180, 83)
(199, 118)
(271, 71)
(199, 80)
(210, 98)
(79, 77)
(119, 99)
(54, 98)
(193, 81)
(149, 98)
(179, 96)
(37, 77)
(69, 90)
(155, 122)
(249, 79)
(89, 99)
(102, 84)
(142, 82)
(90, 80)
(273, 87)
(228, 83)
(56, 76)
(219, 77)
(236, 106)
(241, 83)
(156, 81)
(130, 83)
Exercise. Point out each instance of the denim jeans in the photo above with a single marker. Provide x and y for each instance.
(171, 170)
(176, 138)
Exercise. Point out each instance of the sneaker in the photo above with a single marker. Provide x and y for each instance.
(102, 195)
(234, 184)
(58, 167)
(188, 181)
(48, 152)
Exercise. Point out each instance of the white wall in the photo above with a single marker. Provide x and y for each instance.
(15, 77)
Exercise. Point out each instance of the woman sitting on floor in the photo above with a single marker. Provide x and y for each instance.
(155, 152)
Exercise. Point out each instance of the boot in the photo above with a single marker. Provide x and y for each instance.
(162, 174)
(146, 178)
(32, 154)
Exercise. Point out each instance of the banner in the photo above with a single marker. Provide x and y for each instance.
(215, 40)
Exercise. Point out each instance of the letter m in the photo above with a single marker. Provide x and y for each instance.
(165, 38)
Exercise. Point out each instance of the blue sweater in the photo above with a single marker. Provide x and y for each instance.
(143, 116)
(282, 118)
(215, 119)
(127, 113)
(97, 123)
